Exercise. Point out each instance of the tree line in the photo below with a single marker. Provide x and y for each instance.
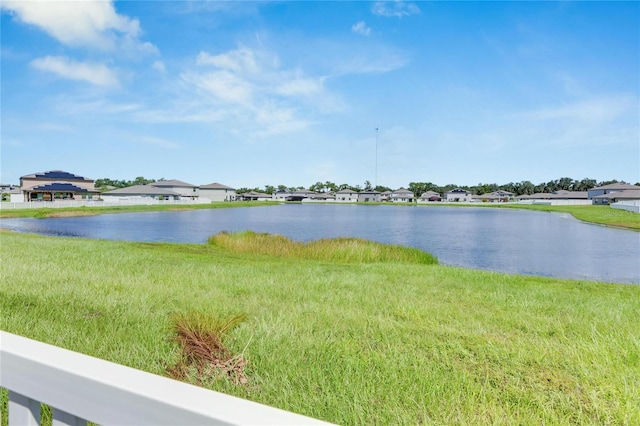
(418, 188)
(106, 183)
(524, 187)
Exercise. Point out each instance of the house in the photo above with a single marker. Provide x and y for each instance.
(384, 196)
(401, 195)
(499, 196)
(458, 195)
(185, 190)
(297, 195)
(617, 196)
(557, 197)
(254, 196)
(368, 196)
(428, 197)
(321, 197)
(140, 193)
(12, 194)
(217, 192)
(346, 196)
(594, 193)
(57, 185)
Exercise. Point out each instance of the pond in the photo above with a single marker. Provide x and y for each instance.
(513, 241)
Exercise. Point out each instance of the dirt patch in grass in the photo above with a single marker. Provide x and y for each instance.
(203, 354)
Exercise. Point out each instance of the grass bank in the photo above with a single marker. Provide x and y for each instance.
(602, 215)
(42, 212)
(348, 342)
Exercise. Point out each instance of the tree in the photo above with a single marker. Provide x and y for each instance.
(367, 185)
(269, 189)
(317, 187)
(331, 186)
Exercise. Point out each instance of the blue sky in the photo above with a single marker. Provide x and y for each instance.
(255, 93)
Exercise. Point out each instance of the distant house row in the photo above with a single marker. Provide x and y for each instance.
(61, 185)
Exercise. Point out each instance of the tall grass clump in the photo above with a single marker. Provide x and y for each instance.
(346, 250)
(203, 353)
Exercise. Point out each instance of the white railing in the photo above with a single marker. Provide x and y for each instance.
(630, 205)
(80, 388)
(141, 201)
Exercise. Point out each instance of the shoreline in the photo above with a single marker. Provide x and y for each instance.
(594, 214)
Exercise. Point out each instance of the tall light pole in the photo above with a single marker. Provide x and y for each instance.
(376, 174)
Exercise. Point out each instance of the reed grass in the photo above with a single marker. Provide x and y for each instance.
(343, 250)
(351, 343)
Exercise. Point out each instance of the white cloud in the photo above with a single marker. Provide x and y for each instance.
(159, 142)
(94, 24)
(248, 89)
(395, 8)
(97, 74)
(159, 66)
(301, 87)
(361, 28)
(242, 61)
(589, 111)
(222, 86)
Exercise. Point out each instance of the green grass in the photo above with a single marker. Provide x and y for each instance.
(42, 212)
(348, 342)
(349, 250)
(602, 215)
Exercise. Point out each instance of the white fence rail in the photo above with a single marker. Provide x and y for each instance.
(630, 206)
(142, 201)
(80, 387)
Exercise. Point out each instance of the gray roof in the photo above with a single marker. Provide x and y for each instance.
(632, 194)
(58, 175)
(558, 195)
(402, 191)
(430, 194)
(458, 191)
(141, 190)
(255, 194)
(216, 185)
(172, 183)
(618, 185)
(347, 191)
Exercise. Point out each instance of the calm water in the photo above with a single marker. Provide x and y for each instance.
(515, 241)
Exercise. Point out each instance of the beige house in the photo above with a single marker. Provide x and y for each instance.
(57, 185)
(217, 192)
(458, 195)
(401, 195)
(186, 190)
(140, 193)
(346, 196)
(429, 197)
(499, 196)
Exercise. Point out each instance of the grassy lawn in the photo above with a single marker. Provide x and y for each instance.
(351, 340)
(603, 215)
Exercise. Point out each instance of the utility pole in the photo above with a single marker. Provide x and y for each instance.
(376, 174)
